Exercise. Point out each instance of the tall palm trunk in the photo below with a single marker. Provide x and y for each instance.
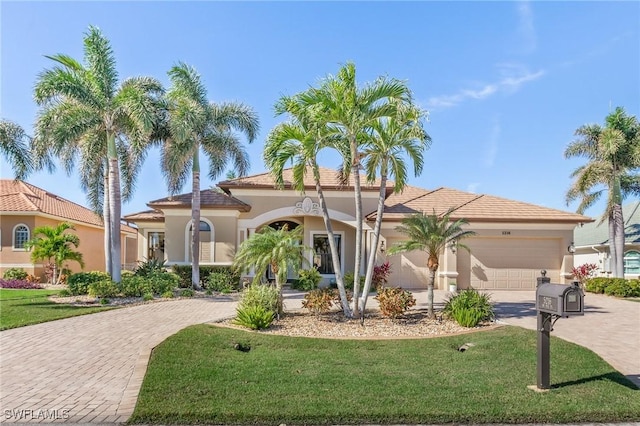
(114, 207)
(195, 223)
(332, 244)
(374, 247)
(107, 224)
(618, 240)
(612, 245)
(355, 171)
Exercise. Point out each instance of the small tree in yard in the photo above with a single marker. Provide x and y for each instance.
(431, 234)
(278, 249)
(56, 247)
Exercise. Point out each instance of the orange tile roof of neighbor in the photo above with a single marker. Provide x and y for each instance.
(19, 196)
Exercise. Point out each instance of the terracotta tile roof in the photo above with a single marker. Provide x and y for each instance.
(208, 199)
(147, 215)
(328, 179)
(19, 196)
(475, 208)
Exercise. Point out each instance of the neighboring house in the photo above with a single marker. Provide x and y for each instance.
(515, 240)
(24, 207)
(592, 243)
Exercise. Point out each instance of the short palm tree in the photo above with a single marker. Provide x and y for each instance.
(85, 113)
(14, 145)
(196, 124)
(55, 246)
(613, 161)
(278, 249)
(391, 141)
(431, 234)
(348, 111)
(299, 142)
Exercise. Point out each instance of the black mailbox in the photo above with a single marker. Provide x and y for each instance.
(559, 299)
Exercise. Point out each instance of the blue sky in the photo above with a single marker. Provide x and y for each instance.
(506, 84)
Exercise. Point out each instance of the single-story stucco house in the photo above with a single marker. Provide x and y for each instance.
(592, 243)
(514, 240)
(24, 207)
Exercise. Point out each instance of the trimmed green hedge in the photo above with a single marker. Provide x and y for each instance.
(184, 272)
(618, 287)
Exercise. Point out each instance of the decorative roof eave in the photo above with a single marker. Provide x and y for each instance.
(574, 220)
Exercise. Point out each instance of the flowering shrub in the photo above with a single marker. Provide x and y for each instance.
(583, 272)
(394, 301)
(381, 275)
(19, 284)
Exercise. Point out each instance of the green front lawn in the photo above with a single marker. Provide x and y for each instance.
(26, 307)
(196, 376)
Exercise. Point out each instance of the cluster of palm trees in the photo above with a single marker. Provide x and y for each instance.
(377, 129)
(101, 129)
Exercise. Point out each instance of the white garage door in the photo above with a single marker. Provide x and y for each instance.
(508, 263)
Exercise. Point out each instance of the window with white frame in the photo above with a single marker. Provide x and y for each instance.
(20, 236)
(632, 262)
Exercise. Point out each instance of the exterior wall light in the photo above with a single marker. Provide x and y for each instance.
(382, 248)
(572, 248)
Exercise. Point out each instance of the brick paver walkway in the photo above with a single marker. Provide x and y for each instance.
(90, 368)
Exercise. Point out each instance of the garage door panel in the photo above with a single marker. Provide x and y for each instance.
(511, 263)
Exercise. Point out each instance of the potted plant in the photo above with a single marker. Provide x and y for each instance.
(453, 287)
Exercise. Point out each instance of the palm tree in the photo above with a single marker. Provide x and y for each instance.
(613, 160)
(14, 145)
(299, 142)
(278, 249)
(431, 234)
(194, 124)
(391, 139)
(55, 246)
(85, 113)
(348, 111)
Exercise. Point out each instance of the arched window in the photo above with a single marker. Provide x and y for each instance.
(207, 242)
(632, 262)
(20, 236)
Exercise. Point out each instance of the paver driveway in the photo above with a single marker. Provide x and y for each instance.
(90, 368)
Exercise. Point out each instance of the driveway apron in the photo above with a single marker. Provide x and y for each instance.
(90, 368)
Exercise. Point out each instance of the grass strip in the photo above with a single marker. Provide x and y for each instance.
(196, 376)
(25, 307)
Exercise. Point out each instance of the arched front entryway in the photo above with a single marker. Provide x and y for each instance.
(292, 273)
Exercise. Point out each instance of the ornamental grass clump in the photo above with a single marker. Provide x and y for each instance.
(258, 306)
(394, 301)
(469, 307)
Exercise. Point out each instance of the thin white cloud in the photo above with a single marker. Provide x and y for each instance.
(473, 187)
(492, 144)
(526, 28)
(509, 83)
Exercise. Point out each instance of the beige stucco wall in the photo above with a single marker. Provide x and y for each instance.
(91, 245)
